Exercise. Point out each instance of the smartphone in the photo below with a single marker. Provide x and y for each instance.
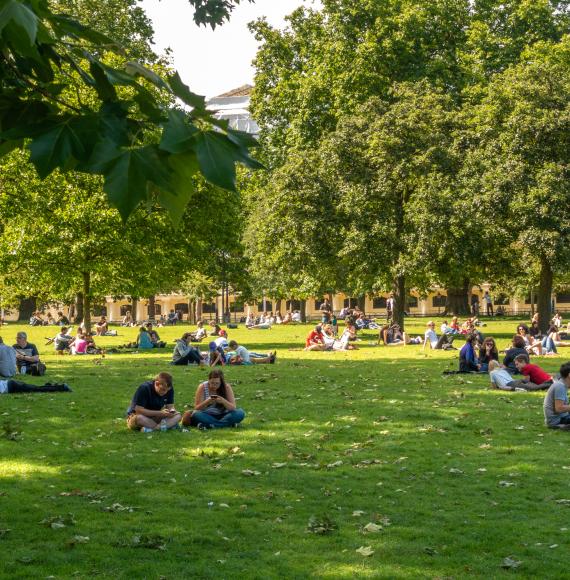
(213, 396)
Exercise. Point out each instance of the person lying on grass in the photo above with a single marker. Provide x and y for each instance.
(214, 404)
(13, 387)
(239, 355)
(556, 407)
(152, 407)
(534, 378)
(500, 377)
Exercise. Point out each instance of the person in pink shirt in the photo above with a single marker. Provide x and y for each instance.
(79, 344)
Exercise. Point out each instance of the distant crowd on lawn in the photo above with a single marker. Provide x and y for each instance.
(152, 407)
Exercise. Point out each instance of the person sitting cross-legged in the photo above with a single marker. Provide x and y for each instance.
(62, 340)
(245, 357)
(214, 404)
(102, 327)
(27, 355)
(556, 407)
(152, 407)
(7, 360)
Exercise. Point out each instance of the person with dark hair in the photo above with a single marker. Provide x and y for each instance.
(62, 320)
(152, 407)
(467, 358)
(62, 340)
(518, 347)
(216, 355)
(549, 341)
(532, 346)
(534, 378)
(154, 337)
(444, 342)
(241, 356)
(556, 407)
(214, 404)
(102, 327)
(315, 339)
(487, 352)
(186, 354)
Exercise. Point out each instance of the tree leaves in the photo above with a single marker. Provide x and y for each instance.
(17, 18)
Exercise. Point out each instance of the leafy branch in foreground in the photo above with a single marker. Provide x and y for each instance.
(129, 133)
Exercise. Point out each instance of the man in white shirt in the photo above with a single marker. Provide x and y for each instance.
(444, 342)
(248, 358)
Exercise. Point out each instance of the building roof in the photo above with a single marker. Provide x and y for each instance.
(243, 91)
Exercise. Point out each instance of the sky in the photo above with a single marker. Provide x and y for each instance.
(213, 62)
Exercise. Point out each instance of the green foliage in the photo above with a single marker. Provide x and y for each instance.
(122, 111)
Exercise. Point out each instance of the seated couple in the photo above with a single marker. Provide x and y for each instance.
(148, 338)
(152, 407)
(444, 342)
(82, 343)
(363, 323)
(393, 335)
(322, 338)
(102, 328)
(534, 378)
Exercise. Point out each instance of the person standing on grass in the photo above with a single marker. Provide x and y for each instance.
(488, 303)
(214, 405)
(152, 407)
(556, 407)
(534, 378)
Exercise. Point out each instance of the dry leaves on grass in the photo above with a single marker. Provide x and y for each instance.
(321, 525)
(510, 563)
(58, 522)
(371, 528)
(365, 551)
(250, 472)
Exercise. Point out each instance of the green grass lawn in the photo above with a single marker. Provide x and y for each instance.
(455, 477)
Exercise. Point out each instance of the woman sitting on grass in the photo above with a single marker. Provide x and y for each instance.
(531, 344)
(214, 404)
(143, 340)
(468, 362)
(487, 352)
(518, 347)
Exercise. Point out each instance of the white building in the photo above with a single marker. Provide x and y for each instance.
(234, 106)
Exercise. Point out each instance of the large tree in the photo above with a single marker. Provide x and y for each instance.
(523, 155)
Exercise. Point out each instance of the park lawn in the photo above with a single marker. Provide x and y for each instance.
(456, 477)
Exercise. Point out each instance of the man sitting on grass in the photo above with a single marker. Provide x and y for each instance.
(556, 407)
(27, 355)
(315, 339)
(152, 407)
(534, 378)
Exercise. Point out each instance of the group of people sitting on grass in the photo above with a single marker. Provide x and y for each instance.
(323, 337)
(265, 320)
(220, 352)
(152, 407)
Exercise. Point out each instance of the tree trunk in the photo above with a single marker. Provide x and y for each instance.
(532, 301)
(191, 312)
(360, 302)
(27, 307)
(71, 311)
(399, 290)
(544, 302)
(303, 311)
(278, 305)
(151, 307)
(78, 308)
(87, 301)
(134, 308)
(457, 301)
(199, 309)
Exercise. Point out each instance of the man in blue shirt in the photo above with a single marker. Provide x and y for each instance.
(556, 407)
(152, 407)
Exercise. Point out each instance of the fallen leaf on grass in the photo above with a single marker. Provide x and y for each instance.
(358, 513)
(455, 471)
(506, 483)
(77, 540)
(371, 528)
(4, 532)
(250, 472)
(117, 507)
(365, 551)
(278, 465)
(321, 526)
(58, 522)
(149, 541)
(563, 501)
(335, 464)
(509, 563)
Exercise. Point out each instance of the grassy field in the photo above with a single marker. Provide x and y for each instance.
(366, 464)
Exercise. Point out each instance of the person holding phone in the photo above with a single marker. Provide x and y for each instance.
(152, 407)
(214, 404)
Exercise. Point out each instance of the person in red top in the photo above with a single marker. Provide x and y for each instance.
(534, 378)
(315, 340)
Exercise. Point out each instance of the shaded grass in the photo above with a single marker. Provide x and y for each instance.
(458, 476)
